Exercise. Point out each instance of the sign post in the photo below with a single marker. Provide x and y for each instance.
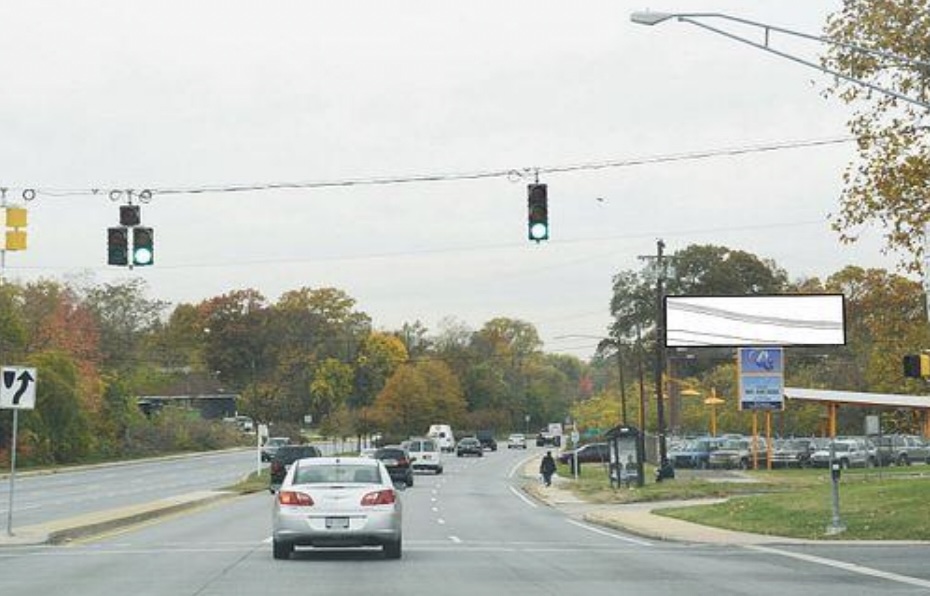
(17, 392)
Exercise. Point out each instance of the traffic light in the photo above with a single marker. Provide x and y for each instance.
(129, 215)
(15, 234)
(917, 366)
(538, 208)
(143, 246)
(117, 246)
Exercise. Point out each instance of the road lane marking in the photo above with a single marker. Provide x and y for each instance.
(455, 539)
(609, 534)
(520, 464)
(851, 567)
(523, 497)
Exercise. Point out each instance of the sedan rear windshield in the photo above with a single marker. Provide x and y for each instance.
(337, 474)
(289, 454)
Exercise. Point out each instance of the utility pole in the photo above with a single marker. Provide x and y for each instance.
(660, 359)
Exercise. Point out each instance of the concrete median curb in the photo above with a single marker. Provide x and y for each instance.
(90, 524)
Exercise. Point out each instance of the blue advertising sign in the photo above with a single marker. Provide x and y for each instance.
(761, 360)
(761, 378)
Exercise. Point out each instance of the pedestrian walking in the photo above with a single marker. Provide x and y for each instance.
(547, 468)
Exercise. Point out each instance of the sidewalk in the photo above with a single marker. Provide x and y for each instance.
(640, 518)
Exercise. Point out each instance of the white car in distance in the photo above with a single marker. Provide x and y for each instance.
(516, 441)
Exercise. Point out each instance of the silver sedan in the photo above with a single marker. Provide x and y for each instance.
(337, 502)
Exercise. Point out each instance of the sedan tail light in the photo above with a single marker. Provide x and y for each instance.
(290, 497)
(381, 497)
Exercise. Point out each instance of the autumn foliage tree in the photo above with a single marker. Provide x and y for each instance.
(887, 185)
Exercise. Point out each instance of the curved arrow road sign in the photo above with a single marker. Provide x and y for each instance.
(17, 388)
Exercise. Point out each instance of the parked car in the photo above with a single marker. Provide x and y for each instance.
(469, 446)
(694, 453)
(590, 453)
(487, 440)
(516, 441)
(284, 456)
(271, 446)
(901, 450)
(337, 502)
(849, 453)
(792, 453)
(397, 461)
(738, 453)
(425, 454)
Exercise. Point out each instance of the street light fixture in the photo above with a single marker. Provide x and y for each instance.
(696, 18)
(650, 18)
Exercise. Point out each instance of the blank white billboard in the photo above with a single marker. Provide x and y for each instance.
(749, 321)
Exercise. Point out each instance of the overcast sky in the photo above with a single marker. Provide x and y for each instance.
(178, 94)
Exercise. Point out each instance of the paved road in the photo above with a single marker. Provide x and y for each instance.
(470, 530)
(45, 497)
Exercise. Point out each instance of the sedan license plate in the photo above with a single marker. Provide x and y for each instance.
(337, 523)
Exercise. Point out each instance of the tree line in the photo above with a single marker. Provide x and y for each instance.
(312, 353)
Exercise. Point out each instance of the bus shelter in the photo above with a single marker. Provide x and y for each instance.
(627, 454)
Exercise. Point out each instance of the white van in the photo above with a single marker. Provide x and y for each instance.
(443, 435)
(424, 454)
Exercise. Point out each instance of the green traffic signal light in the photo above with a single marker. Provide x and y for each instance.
(143, 246)
(538, 211)
(117, 246)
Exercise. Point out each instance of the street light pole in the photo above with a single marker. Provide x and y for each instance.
(616, 344)
(620, 379)
(654, 18)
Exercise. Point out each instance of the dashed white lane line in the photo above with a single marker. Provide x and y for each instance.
(455, 539)
(851, 567)
(441, 521)
(523, 497)
(609, 534)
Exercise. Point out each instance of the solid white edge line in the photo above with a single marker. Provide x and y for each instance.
(523, 497)
(609, 534)
(520, 464)
(851, 567)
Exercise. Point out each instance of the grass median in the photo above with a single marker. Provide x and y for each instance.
(888, 504)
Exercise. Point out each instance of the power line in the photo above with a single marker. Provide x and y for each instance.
(145, 194)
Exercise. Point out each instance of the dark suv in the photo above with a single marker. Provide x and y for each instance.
(486, 437)
(284, 456)
(397, 461)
